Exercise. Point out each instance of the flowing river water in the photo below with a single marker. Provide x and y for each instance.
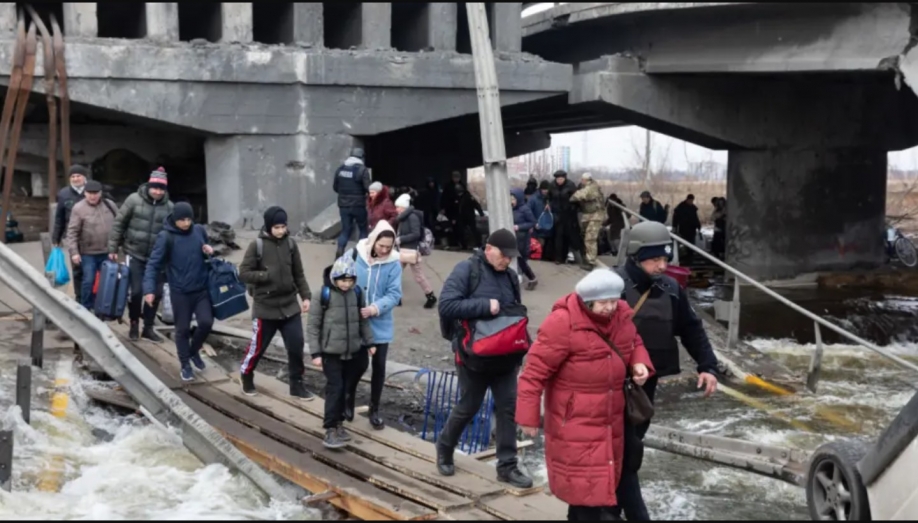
(117, 467)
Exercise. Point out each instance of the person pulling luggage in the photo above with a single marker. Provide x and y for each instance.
(180, 249)
(91, 221)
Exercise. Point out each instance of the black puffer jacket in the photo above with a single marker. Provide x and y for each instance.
(410, 228)
(138, 222)
(66, 199)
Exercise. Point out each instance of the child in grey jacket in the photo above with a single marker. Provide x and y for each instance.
(337, 332)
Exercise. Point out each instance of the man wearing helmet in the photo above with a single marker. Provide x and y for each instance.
(661, 313)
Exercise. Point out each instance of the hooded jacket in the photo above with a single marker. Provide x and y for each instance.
(139, 221)
(410, 228)
(338, 329)
(381, 208)
(381, 281)
(277, 278)
(186, 266)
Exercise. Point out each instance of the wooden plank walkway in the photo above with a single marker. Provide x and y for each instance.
(386, 474)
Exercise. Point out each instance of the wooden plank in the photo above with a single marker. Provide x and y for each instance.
(153, 366)
(388, 436)
(537, 507)
(165, 356)
(118, 398)
(491, 453)
(348, 462)
(356, 497)
(468, 514)
(461, 483)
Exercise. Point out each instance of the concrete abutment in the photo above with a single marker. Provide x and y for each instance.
(792, 212)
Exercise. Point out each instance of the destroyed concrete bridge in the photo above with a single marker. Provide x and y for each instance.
(257, 103)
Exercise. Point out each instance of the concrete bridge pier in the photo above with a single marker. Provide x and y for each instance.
(792, 212)
(246, 174)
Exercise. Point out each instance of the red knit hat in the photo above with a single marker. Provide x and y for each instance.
(158, 179)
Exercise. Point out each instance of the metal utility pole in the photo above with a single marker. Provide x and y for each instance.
(500, 216)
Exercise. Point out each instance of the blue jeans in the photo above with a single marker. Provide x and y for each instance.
(90, 263)
(349, 215)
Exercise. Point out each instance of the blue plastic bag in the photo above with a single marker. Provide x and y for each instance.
(546, 221)
(57, 264)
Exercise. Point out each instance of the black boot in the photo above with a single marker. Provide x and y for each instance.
(445, 464)
(248, 385)
(150, 334)
(515, 478)
(135, 331)
(431, 301)
(375, 419)
(298, 390)
(348, 407)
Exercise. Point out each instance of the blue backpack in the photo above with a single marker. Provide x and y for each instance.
(227, 293)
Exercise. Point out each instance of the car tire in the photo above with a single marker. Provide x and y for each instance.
(834, 488)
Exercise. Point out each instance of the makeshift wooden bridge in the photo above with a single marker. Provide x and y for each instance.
(386, 474)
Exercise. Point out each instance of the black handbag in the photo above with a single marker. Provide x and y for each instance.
(638, 407)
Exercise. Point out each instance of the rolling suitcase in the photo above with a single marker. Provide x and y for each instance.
(112, 296)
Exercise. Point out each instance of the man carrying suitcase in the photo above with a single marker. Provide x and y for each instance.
(179, 249)
(136, 226)
(90, 223)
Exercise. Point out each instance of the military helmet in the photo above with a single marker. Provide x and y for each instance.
(647, 234)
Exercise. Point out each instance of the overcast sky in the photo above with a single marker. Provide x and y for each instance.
(615, 148)
(623, 147)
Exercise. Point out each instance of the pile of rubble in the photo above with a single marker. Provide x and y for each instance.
(221, 237)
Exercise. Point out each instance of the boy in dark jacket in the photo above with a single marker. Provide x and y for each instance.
(337, 331)
(180, 248)
(523, 223)
(275, 272)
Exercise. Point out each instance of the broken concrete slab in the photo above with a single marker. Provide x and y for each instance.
(327, 224)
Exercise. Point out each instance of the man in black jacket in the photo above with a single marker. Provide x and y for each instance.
(567, 236)
(686, 223)
(66, 199)
(462, 299)
(662, 312)
(352, 184)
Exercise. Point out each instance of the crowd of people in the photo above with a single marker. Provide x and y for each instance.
(616, 329)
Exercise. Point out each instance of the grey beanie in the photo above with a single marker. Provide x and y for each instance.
(376, 186)
(600, 284)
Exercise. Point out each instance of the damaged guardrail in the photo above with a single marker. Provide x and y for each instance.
(95, 338)
(785, 464)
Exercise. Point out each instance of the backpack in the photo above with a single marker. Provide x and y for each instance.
(493, 344)
(326, 296)
(425, 246)
(259, 252)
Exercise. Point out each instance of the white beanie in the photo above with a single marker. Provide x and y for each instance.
(376, 186)
(600, 284)
(403, 201)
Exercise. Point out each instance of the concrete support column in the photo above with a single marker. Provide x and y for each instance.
(246, 174)
(795, 212)
(441, 25)
(162, 21)
(507, 26)
(8, 19)
(237, 21)
(80, 19)
(308, 23)
(375, 25)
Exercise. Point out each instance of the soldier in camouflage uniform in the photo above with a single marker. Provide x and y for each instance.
(592, 209)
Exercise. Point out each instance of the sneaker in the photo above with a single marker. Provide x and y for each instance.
(375, 419)
(532, 285)
(431, 301)
(515, 478)
(248, 385)
(297, 390)
(150, 334)
(332, 439)
(342, 434)
(135, 331)
(187, 374)
(198, 362)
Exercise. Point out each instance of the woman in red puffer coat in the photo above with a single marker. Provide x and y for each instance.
(380, 206)
(583, 380)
